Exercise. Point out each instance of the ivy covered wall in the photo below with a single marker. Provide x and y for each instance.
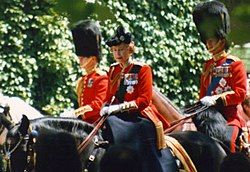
(36, 57)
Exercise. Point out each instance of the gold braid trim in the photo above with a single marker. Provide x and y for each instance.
(119, 76)
(160, 141)
(207, 73)
(223, 96)
(115, 80)
(180, 153)
(79, 89)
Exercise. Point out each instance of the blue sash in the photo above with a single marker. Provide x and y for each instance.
(215, 80)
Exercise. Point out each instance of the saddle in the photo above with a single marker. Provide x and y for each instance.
(180, 153)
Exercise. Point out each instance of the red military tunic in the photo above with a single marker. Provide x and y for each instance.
(91, 90)
(225, 77)
(133, 83)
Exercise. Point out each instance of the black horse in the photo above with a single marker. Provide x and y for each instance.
(205, 153)
(53, 149)
(23, 142)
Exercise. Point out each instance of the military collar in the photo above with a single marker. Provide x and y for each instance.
(126, 64)
(219, 56)
(90, 71)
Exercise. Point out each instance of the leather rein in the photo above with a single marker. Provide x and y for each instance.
(188, 113)
(88, 139)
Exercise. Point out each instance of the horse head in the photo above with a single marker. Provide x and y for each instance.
(17, 145)
(37, 137)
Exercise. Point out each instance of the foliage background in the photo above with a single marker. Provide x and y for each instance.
(167, 40)
(37, 58)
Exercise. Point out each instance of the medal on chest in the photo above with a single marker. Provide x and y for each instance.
(130, 89)
(222, 71)
(130, 79)
(221, 87)
(90, 82)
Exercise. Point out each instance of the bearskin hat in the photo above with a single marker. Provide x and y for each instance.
(212, 20)
(87, 39)
(119, 37)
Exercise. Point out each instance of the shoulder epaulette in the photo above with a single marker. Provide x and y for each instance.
(79, 80)
(234, 58)
(114, 64)
(139, 63)
(101, 72)
(79, 86)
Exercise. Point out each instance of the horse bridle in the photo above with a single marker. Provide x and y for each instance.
(28, 142)
(98, 144)
(23, 139)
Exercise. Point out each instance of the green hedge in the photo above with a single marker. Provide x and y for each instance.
(36, 58)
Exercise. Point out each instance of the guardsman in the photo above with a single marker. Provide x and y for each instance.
(223, 81)
(92, 86)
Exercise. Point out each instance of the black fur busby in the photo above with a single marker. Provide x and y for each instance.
(87, 39)
(212, 20)
(119, 37)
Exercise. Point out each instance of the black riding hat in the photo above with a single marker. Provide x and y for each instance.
(212, 20)
(119, 37)
(87, 39)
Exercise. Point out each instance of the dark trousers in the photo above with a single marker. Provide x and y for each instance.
(140, 134)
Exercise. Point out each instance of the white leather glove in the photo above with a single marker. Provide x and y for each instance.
(107, 110)
(114, 109)
(118, 108)
(209, 100)
(104, 110)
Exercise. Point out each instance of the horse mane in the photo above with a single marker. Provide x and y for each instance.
(76, 127)
(212, 123)
(56, 151)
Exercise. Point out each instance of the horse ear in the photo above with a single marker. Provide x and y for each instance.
(24, 125)
(5, 122)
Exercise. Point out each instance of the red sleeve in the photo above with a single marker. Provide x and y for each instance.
(145, 87)
(100, 88)
(204, 80)
(238, 84)
(202, 88)
(108, 91)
